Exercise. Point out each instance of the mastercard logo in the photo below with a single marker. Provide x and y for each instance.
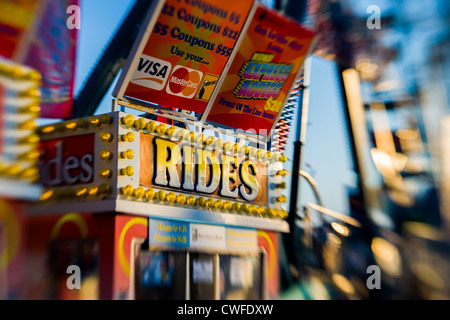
(184, 82)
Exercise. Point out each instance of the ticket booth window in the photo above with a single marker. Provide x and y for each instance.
(202, 276)
(196, 275)
(241, 277)
(160, 275)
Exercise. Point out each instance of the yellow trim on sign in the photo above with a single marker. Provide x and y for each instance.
(11, 223)
(272, 252)
(76, 218)
(122, 259)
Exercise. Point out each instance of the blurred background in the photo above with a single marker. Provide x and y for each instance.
(368, 141)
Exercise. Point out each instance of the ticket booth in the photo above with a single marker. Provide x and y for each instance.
(149, 210)
(219, 262)
(184, 201)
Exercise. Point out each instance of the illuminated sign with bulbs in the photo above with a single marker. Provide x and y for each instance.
(19, 109)
(203, 169)
(125, 157)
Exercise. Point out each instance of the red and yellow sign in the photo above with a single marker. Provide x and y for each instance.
(179, 58)
(16, 20)
(63, 239)
(269, 241)
(35, 33)
(118, 156)
(262, 73)
(67, 161)
(184, 166)
(52, 51)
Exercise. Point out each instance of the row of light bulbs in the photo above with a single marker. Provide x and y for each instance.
(150, 194)
(78, 192)
(30, 174)
(172, 132)
(22, 163)
(72, 125)
(181, 134)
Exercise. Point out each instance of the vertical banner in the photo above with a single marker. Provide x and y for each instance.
(16, 21)
(258, 82)
(53, 52)
(180, 55)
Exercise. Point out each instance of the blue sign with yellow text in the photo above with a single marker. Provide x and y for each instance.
(168, 233)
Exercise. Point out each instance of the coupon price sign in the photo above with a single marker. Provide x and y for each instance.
(263, 70)
(180, 55)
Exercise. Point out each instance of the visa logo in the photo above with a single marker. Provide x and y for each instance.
(152, 68)
(151, 72)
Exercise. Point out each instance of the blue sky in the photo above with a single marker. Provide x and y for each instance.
(99, 20)
(326, 153)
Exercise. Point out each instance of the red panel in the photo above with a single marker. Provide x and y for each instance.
(126, 228)
(12, 250)
(54, 170)
(53, 243)
(53, 53)
(269, 241)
